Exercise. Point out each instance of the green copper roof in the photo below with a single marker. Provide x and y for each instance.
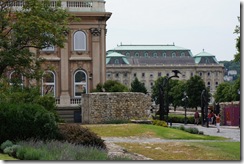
(116, 55)
(148, 47)
(202, 54)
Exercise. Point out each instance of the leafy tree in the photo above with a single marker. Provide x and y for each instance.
(238, 43)
(37, 25)
(177, 93)
(137, 86)
(111, 86)
(227, 92)
(194, 87)
(155, 89)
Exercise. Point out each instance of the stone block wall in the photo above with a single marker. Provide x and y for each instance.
(106, 106)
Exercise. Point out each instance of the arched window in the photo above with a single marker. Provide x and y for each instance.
(164, 54)
(145, 54)
(209, 85)
(128, 54)
(79, 41)
(80, 83)
(48, 83)
(16, 79)
(155, 54)
(116, 61)
(182, 54)
(173, 54)
(136, 54)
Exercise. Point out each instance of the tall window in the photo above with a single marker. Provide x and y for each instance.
(79, 41)
(80, 83)
(48, 83)
(116, 61)
(16, 79)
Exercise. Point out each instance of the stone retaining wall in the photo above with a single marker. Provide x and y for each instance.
(104, 106)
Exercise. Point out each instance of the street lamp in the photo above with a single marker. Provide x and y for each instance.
(185, 100)
(163, 96)
(204, 107)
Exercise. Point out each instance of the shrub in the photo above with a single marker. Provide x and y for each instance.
(76, 134)
(160, 123)
(11, 150)
(23, 121)
(6, 144)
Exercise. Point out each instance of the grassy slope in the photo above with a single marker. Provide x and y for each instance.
(144, 130)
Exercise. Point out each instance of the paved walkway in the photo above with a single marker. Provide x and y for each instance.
(231, 132)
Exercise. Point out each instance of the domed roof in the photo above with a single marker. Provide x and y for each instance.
(205, 58)
(118, 58)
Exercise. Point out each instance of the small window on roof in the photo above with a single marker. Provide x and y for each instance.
(116, 61)
(136, 54)
(164, 54)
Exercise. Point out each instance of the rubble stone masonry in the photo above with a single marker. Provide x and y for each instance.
(106, 106)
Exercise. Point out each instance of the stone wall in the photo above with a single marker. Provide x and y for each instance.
(102, 107)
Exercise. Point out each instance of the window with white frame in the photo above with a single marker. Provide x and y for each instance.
(16, 79)
(80, 83)
(48, 83)
(80, 41)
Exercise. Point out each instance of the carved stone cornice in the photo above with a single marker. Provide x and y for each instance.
(95, 31)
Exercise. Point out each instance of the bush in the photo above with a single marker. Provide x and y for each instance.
(76, 134)
(6, 144)
(160, 123)
(56, 150)
(11, 150)
(23, 121)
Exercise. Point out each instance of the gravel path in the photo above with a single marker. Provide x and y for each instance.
(233, 133)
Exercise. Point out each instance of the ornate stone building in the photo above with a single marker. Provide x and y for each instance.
(80, 65)
(149, 62)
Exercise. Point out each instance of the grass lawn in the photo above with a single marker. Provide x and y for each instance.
(186, 150)
(6, 157)
(145, 130)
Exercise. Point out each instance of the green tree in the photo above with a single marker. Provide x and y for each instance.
(155, 89)
(227, 92)
(111, 86)
(194, 87)
(177, 93)
(37, 25)
(137, 86)
(238, 43)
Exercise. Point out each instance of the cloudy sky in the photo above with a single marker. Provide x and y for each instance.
(191, 24)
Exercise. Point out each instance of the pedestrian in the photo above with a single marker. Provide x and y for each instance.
(196, 117)
(217, 122)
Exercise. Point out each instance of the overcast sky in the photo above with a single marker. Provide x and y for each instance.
(191, 24)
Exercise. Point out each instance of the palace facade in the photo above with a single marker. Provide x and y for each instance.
(149, 62)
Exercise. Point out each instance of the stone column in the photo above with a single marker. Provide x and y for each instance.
(64, 69)
(96, 56)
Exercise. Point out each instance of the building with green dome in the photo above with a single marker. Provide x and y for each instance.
(149, 62)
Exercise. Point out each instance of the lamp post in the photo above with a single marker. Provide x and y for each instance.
(163, 96)
(204, 107)
(185, 100)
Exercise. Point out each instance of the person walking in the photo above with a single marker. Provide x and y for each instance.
(196, 117)
(217, 122)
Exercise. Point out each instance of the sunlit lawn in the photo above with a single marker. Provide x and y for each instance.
(6, 157)
(145, 130)
(186, 150)
(217, 149)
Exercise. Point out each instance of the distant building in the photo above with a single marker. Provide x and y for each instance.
(149, 62)
(232, 72)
